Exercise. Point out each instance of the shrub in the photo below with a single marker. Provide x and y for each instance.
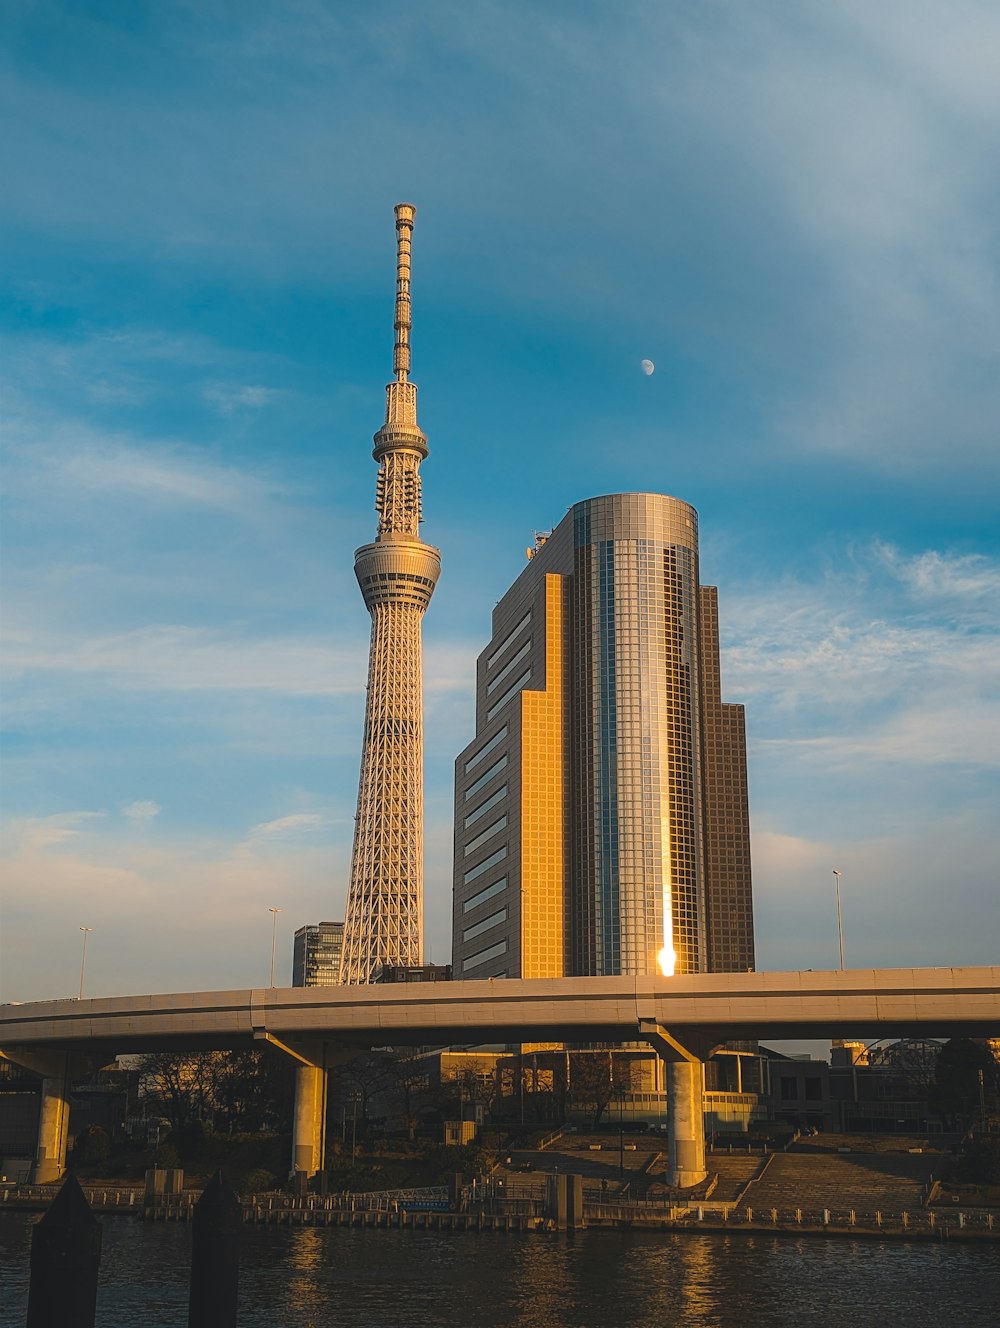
(257, 1181)
(166, 1156)
(93, 1147)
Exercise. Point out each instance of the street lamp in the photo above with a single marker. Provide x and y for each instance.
(274, 926)
(83, 960)
(840, 922)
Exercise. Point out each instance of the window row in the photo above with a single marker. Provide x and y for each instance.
(484, 956)
(499, 705)
(508, 639)
(509, 667)
(487, 924)
(485, 865)
(484, 807)
(497, 738)
(488, 833)
(490, 892)
(485, 778)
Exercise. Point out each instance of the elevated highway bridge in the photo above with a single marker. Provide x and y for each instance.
(683, 1018)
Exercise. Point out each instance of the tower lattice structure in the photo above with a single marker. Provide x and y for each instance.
(397, 574)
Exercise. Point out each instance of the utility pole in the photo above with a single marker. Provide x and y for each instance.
(840, 922)
(83, 961)
(274, 929)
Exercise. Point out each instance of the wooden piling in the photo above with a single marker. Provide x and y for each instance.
(65, 1258)
(215, 1257)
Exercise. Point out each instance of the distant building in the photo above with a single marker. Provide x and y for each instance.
(601, 822)
(317, 954)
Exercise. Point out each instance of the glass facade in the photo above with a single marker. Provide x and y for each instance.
(316, 956)
(625, 818)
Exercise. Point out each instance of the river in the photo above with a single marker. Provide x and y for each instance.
(342, 1278)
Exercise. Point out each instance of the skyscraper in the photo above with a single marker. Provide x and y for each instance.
(601, 821)
(397, 574)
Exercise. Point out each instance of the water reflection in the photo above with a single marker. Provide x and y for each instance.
(543, 1289)
(342, 1278)
(308, 1250)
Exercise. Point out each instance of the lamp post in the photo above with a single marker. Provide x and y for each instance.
(840, 922)
(83, 959)
(354, 1128)
(274, 930)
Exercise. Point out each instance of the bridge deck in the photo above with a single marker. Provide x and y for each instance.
(702, 1009)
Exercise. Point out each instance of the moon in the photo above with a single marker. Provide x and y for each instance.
(647, 366)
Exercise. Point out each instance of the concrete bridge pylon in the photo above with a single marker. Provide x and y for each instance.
(685, 1069)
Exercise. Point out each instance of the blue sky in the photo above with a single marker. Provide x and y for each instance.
(791, 209)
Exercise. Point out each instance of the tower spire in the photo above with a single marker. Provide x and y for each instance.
(397, 574)
(405, 214)
(400, 445)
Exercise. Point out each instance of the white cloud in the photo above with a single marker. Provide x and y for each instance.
(286, 827)
(949, 52)
(230, 398)
(45, 832)
(866, 156)
(141, 811)
(49, 458)
(935, 575)
(175, 658)
(931, 735)
(837, 650)
(899, 895)
(204, 901)
(159, 473)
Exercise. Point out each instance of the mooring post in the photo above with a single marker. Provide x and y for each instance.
(65, 1258)
(215, 1257)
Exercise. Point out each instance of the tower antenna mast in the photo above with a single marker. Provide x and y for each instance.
(397, 574)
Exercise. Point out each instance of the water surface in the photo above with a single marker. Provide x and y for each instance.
(343, 1278)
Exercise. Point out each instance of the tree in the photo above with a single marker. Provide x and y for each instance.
(253, 1090)
(469, 1082)
(966, 1074)
(178, 1085)
(596, 1080)
(980, 1161)
(366, 1079)
(410, 1090)
(246, 1090)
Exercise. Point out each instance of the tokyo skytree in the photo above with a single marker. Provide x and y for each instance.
(397, 575)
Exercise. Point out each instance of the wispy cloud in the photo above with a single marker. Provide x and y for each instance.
(54, 456)
(46, 832)
(142, 811)
(859, 635)
(287, 827)
(185, 890)
(898, 895)
(932, 734)
(955, 578)
(177, 658)
(230, 398)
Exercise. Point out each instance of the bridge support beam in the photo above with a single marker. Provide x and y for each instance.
(313, 1063)
(53, 1131)
(685, 1106)
(57, 1070)
(686, 1121)
(310, 1119)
